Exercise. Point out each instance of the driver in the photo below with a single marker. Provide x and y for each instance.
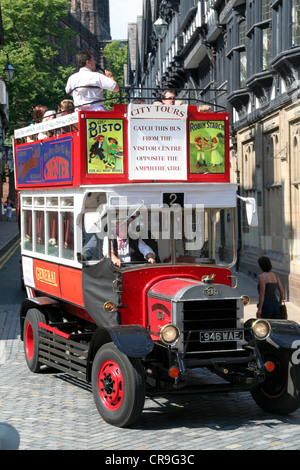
(125, 249)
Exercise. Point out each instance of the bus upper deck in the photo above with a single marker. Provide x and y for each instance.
(138, 143)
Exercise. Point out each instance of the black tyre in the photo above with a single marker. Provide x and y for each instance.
(280, 393)
(31, 338)
(118, 386)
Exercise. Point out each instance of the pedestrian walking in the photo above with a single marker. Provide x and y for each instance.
(268, 285)
(8, 211)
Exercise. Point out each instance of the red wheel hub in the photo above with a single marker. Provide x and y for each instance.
(111, 385)
(29, 341)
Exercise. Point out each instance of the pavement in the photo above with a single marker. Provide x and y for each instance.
(9, 231)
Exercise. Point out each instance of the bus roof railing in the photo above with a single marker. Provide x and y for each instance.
(125, 96)
(45, 126)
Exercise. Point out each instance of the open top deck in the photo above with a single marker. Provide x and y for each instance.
(137, 143)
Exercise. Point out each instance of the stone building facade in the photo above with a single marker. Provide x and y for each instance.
(90, 19)
(242, 55)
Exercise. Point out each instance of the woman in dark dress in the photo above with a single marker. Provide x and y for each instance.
(268, 284)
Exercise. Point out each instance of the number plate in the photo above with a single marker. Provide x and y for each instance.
(222, 336)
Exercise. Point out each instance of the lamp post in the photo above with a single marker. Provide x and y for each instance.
(9, 71)
(160, 29)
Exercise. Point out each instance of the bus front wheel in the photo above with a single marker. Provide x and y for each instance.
(280, 393)
(118, 386)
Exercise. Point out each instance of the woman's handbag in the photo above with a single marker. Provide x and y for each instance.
(283, 311)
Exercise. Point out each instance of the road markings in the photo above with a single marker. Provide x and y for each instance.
(4, 258)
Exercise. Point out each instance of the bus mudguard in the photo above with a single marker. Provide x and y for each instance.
(131, 340)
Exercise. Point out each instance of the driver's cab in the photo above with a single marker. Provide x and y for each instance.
(142, 234)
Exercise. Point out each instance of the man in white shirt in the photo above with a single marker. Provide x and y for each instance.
(86, 86)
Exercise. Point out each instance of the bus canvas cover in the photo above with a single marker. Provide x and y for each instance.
(97, 282)
(45, 162)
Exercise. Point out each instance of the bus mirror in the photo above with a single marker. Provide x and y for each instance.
(92, 222)
(251, 210)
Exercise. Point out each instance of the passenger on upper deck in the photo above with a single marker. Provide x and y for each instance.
(86, 86)
(204, 108)
(66, 107)
(138, 101)
(38, 113)
(50, 114)
(168, 97)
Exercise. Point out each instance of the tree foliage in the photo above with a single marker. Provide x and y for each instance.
(33, 37)
(115, 55)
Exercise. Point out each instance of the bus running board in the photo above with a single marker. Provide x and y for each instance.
(59, 351)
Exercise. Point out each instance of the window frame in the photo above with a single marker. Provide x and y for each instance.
(45, 214)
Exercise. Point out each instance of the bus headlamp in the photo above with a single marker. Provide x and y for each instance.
(261, 329)
(246, 299)
(169, 334)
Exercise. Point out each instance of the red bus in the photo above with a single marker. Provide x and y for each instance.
(128, 236)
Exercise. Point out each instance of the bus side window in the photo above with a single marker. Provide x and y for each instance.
(40, 231)
(52, 233)
(91, 246)
(27, 237)
(68, 235)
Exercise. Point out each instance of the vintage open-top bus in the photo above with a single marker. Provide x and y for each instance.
(128, 236)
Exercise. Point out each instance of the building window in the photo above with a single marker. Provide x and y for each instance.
(265, 10)
(266, 47)
(295, 23)
(242, 32)
(295, 193)
(259, 35)
(243, 68)
(266, 15)
(248, 168)
(243, 56)
(273, 195)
